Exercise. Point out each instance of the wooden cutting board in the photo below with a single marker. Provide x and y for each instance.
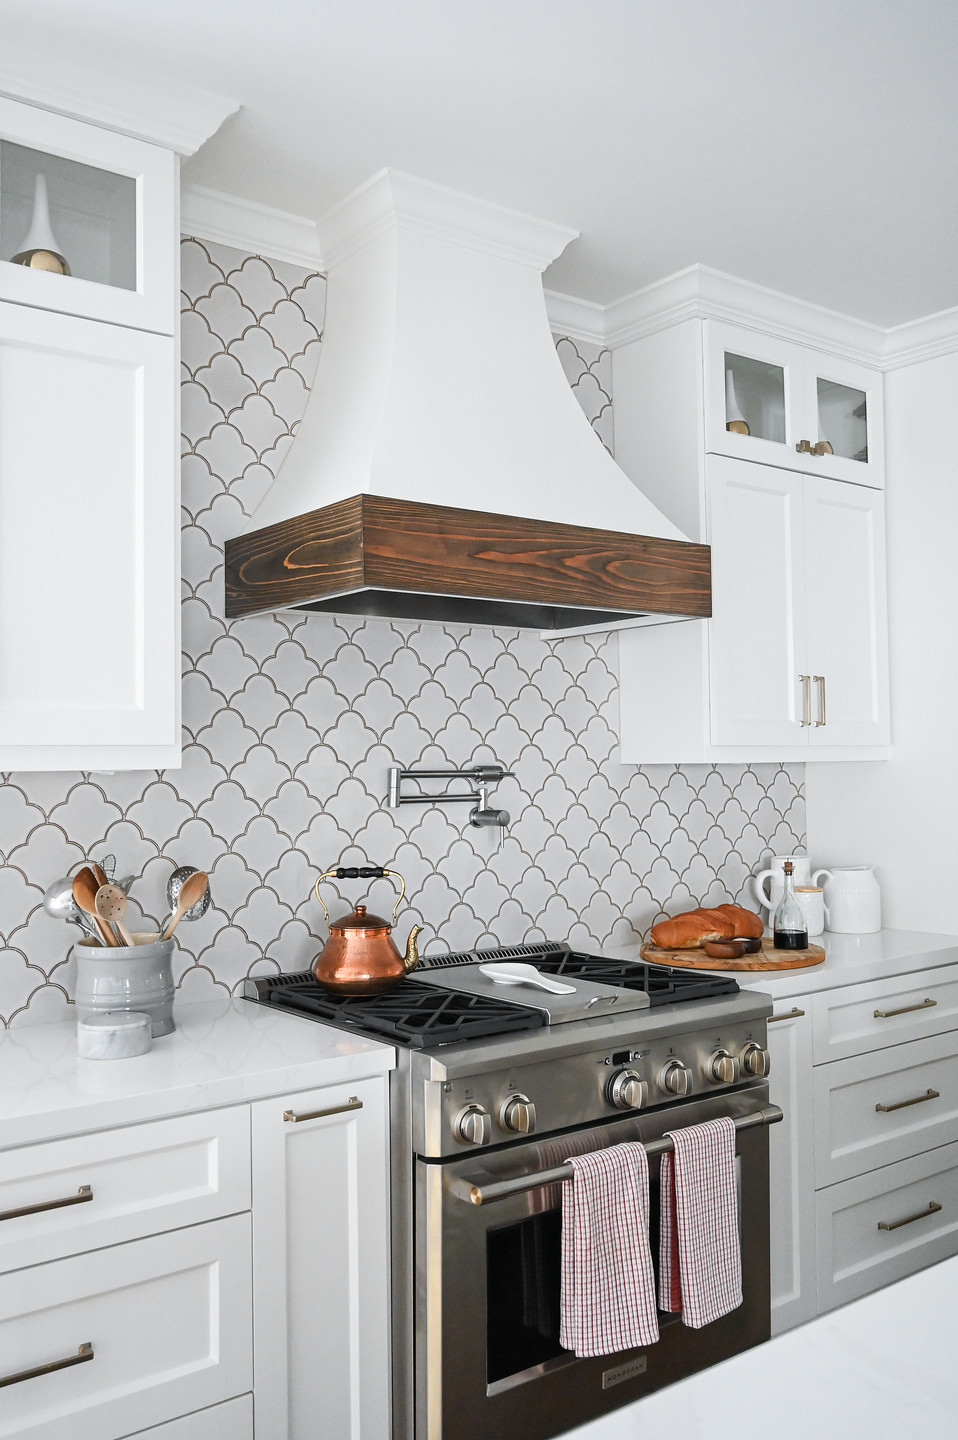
(768, 958)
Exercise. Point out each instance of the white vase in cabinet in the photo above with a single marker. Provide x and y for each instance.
(321, 1264)
(793, 663)
(791, 1166)
(804, 409)
(89, 571)
(113, 207)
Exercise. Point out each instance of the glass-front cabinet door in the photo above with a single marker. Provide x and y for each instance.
(779, 403)
(754, 403)
(87, 220)
(844, 420)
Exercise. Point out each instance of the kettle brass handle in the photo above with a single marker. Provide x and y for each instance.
(361, 872)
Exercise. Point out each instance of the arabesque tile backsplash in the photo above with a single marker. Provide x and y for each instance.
(292, 720)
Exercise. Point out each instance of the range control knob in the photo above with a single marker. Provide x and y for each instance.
(473, 1126)
(676, 1079)
(755, 1060)
(628, 1091)
(722, 1069)
(519, 1114)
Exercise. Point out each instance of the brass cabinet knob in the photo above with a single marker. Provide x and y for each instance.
(628, 1091)
(518, 1114)
(473, 1126)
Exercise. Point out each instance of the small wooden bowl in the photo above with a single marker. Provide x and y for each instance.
(724, 949)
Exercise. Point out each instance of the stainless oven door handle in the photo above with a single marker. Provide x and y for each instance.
(501, 1189)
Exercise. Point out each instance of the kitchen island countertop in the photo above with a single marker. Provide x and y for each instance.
(221, 1053)
(882, 1367)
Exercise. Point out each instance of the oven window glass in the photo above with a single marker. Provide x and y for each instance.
(523, 1277)
(522, 1303)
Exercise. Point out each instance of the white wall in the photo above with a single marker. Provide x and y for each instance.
(902, 815)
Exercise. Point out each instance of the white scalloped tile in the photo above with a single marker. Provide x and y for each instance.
(593, 851)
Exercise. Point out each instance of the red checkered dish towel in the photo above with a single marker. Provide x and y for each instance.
(607, 1299)
(700, 1258)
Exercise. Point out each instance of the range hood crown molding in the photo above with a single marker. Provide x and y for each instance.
(442, 455)
(390, 200)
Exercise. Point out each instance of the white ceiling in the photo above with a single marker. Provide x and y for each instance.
(806, 145)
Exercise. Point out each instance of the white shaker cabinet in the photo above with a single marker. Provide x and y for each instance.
(321, 1264)
(89, 421)
(794, 662)
(89, 635)
(791, 1162)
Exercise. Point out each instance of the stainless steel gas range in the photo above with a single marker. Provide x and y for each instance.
(494, 1090)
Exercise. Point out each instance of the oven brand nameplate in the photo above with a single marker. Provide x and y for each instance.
(624, 1372)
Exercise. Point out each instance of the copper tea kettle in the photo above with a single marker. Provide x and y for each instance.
(360, 957)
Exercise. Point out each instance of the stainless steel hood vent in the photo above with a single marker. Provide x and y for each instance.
(443, 469)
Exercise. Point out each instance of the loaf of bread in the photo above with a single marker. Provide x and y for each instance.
(691, 930)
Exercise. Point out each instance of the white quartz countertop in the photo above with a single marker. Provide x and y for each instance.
(850, 959)
(221, 1053)
(882, 1367)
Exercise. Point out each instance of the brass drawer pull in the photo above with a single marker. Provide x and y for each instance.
(905, 1009)
(84, 1353)
(353, 1103)
(933, 1208)
(789, 1015)
(903, 1104)
(84, 1193)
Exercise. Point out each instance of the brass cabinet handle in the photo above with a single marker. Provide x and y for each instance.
(821, 448)
(804, 447)
(84, 1194)
(820, 682)
(806, 700)
(903, 1104)
(353, 1103)
(933, 1208)
(789, 1015)
(906, 1009)
(84, 1353)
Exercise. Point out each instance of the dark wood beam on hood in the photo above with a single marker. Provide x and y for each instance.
(372, 556)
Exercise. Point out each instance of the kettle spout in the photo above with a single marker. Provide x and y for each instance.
(411, 958)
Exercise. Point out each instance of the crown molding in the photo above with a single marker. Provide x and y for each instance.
(178, 117)
(578, 319)
(245, 225)
(923, 339)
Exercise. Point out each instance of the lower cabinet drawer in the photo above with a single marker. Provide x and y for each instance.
(874, 1109)
(64, 1196)
(880, 1227)
(133, 1335)
(230, 1421)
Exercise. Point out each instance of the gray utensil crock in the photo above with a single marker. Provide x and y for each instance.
(134, 977)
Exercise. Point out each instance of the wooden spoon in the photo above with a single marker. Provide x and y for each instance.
(194, 887)
(84, 893)
(111, 907)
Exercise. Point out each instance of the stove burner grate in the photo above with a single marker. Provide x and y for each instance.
(664, 987)
(414, 1015)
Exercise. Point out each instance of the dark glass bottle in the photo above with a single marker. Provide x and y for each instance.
(790, 926)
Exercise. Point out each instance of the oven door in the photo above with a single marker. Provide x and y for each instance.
(488, 1361)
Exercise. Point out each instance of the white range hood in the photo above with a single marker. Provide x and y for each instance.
(439, 385)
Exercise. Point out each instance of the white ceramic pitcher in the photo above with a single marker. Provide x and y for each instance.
(775, 875)
(852, 899)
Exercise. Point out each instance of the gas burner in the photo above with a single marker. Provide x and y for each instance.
(414, 1015)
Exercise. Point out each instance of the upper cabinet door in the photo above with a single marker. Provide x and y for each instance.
(89, 559)
(847, 618)
(843, 422)
(757, 649)
(754, 395)
(95, 214)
